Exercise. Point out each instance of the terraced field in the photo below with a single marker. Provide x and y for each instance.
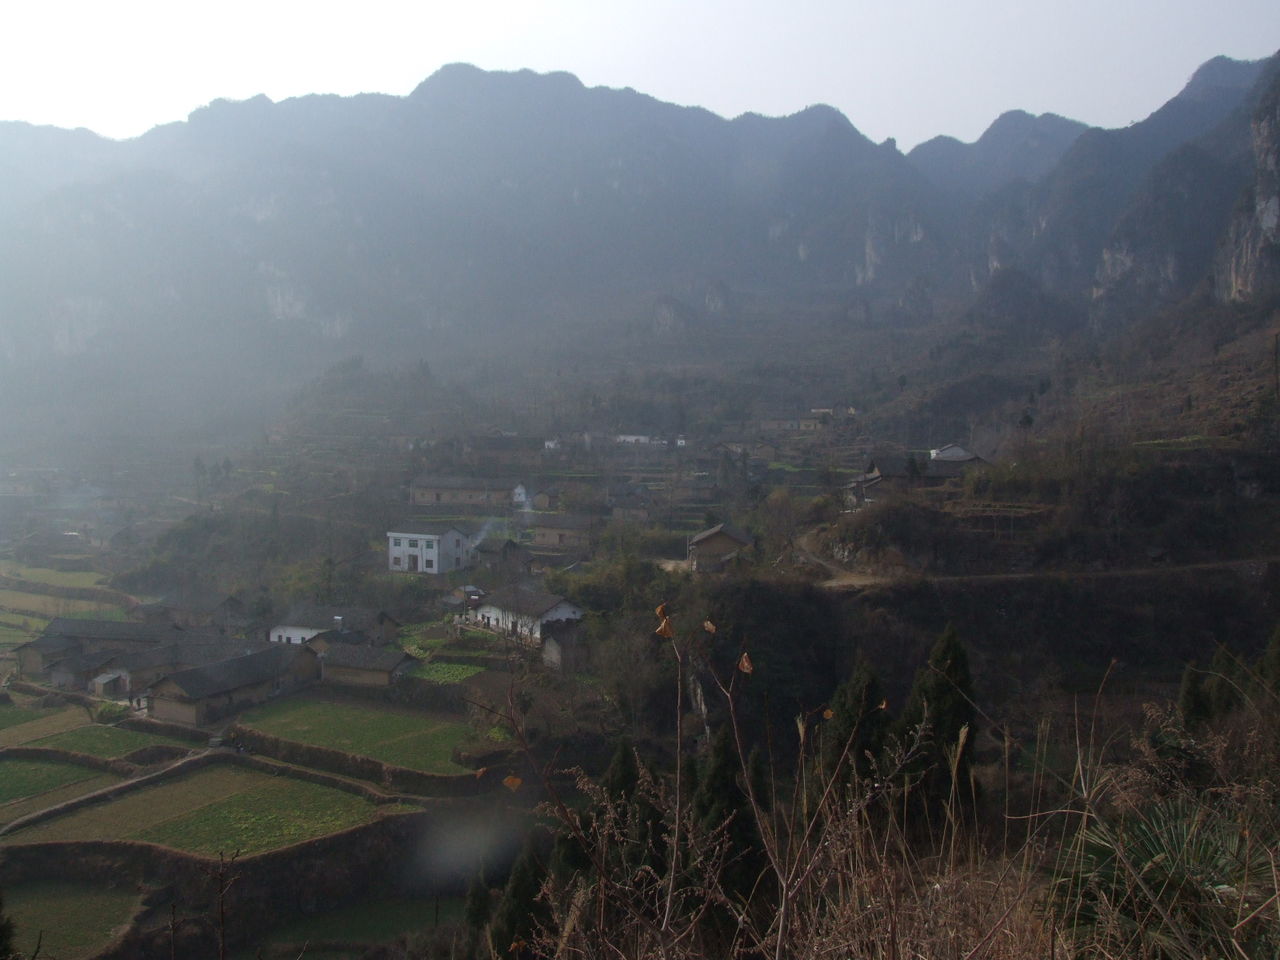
(371, 922)
(53, 578)
(70, 920)
(405, 738)
(98, 740)
(30, 785)
(221, 809)
(21, 724)
(16, 714)
(446, 672)
(43, 605)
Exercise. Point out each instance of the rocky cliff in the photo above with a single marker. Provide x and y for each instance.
(1247, 268)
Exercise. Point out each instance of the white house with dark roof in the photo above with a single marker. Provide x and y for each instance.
(524, 612)
(431, 548)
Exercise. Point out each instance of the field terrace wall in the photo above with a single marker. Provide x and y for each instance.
(176, 730)
(70, 696)
(400, 779)
(117, 765)
(414, 853)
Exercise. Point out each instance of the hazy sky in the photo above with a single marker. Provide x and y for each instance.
(908, 69)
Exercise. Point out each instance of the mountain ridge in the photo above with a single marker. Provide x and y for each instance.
(518, 213)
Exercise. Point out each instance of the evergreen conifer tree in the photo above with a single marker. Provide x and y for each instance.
(476, 908)
(721, 801)
(942, 698)
(1193, 699)
(6, 934)
(619, 780)
(516, 916)
(1269, 666)
(856, 720)
(1222, 685)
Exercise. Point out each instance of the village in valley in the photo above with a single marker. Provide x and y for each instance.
(437, 658)
(522, 519)
(481, 546)
(342, 646)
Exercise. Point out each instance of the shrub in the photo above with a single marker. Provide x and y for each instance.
(111, 713)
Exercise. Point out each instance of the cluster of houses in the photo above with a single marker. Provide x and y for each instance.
(497, 509)
(886, 473)
(198, 676)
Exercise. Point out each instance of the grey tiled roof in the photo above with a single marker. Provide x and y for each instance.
(364, 657)
(228, 675)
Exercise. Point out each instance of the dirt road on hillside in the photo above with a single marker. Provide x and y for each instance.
(842, 579)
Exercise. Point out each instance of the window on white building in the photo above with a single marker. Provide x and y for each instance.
(413, 543)
(395, 541)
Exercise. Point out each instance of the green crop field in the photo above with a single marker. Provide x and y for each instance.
(11, 714)
(99, 740)
(71, 920)
(30, 785)
(420, 639)
(22, 778)
(98, 613)
(20, 725)
(211, 811)
(446, 672)
(53, 578)
(418, 741)
(44, 605)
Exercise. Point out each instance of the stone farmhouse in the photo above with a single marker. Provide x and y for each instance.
(204, 694)
(72, 648)
(429, 490)
(360, 665)
(716, 546)
(563, 532)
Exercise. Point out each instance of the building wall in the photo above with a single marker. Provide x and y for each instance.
(175, 711)
(284, 633)
(357, 677)
(470, 495)
(504, 620)
(712, 550)
(428, 553)
(556, 538)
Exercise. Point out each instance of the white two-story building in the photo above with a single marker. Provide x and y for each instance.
(423, 547)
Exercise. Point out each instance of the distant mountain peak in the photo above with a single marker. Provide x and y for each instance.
(1017, 146)
(461, 78)
(1222, 73)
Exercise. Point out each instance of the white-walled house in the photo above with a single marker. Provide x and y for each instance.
(524, 612)
(430, 548)
(296, 635)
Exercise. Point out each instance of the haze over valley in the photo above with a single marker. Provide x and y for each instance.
(530, 519)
